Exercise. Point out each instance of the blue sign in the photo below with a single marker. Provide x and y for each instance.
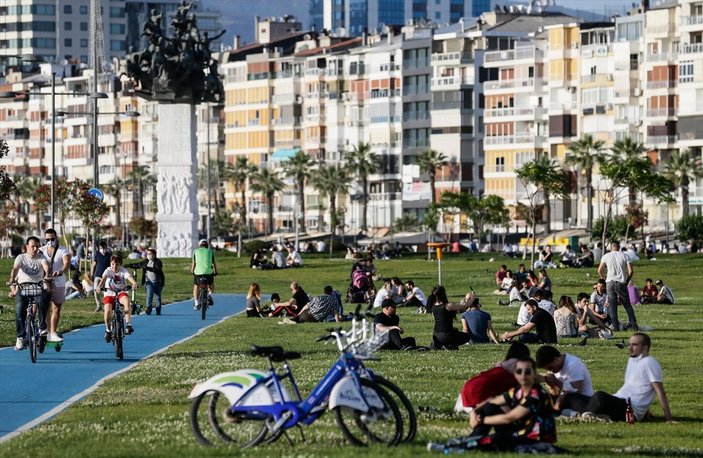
(98, 194)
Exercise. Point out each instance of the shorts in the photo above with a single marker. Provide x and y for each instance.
(110, 300)
(59, 296)
(209, 279)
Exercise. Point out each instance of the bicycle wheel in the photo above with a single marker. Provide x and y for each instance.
(31, 334)
(407, 411)
(202, 297)
(379, 424)
(117, 336)
(211, 409)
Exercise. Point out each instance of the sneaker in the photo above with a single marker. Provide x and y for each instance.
(158, 310)
(570, 413)
(209, 300)
(148, 310)
(108, 336)
(435, 447)
(19, 345)
(595, 416)
(287, 320)
(54, 337)
(129, 329)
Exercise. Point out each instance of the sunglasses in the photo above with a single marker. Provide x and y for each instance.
(50, 240)
(520, 371)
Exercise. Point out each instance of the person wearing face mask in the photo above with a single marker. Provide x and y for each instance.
(153, 279)
(101, 261)
(59, 265)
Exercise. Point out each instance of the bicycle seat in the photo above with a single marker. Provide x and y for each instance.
(275, 353)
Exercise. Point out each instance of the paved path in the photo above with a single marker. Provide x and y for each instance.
(86, 361)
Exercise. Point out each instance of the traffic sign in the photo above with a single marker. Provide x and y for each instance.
(98, 194)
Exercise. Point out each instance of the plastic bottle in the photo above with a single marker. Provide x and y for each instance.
(629, 413)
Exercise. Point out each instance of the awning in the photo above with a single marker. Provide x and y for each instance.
(284, 154)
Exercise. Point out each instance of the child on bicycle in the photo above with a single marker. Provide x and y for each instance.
(115, 280)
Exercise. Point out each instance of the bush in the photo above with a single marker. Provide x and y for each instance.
(254, 245)
(690, 227)
(617, 227)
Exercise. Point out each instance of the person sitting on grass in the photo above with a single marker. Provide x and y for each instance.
(649, 293)
(294, 259)
(253, 305)
(568, 379)
(444, 313)
(665, 295)
(523, 414)
(275, 309)
(320, 307)
(566, 318)
(477, 323)
(298, 300)
(415, 297)
(541, 321)
(515, 296)
(388, 321)
(586, 258)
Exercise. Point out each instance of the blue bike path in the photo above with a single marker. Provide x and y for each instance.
(32, 393)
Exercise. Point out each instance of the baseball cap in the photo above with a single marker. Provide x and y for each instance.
(388, 303)
(203, 242)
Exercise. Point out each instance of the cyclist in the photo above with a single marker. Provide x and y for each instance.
(203, 266)
(29, 267)
(59, 264)
(115, 280)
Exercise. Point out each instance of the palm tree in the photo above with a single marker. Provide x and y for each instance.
(682, 168)
(585, 154)
(298, 168)
(139, 179)
(361, 162)
(267, 183)
(115, 188)
(429, 161)
(25, 191)
(330, 180)
(237, 174)
(625, 150)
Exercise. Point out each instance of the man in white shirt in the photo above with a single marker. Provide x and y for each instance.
(415, 297)
(643, 379)
(59, 265)
(568, 378)
(294, 259)
(620, 273)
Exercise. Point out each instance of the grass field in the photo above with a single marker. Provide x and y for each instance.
(144, 411)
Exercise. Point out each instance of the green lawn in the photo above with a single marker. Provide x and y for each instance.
(144, 412)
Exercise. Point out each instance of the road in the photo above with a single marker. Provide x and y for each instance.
(32, 393)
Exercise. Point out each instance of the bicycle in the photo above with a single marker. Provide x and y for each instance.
(203, 291)
(358, 342)
(248, 407)
(117, 326)
(33, 339)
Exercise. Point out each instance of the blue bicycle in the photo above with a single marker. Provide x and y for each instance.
(248, 407)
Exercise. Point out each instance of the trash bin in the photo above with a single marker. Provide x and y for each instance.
(574, 242)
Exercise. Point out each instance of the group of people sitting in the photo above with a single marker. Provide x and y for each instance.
(519, 404)
(279, 259)
(568, 258)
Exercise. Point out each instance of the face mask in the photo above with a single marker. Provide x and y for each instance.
(51, 243)
(150, 257)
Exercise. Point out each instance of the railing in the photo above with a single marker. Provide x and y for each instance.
(286, 121)
(527, 52)
(511, 111)
(654, 112)
(661, 84)
(512, 139)
(695, 48)
(500, 84)
(664, 56)
(597, 77)
(416, 116)
(451, 80)
(314, 71)
(662, 139)
(447, 56)
(691, 20)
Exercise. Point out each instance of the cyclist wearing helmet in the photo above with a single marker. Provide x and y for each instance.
(203, 266)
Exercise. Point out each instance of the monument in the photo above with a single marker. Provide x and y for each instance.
(178, 72)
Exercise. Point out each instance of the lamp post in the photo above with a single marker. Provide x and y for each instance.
(209, 184)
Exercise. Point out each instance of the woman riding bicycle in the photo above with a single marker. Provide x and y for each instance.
(29, 267)
(115, 280)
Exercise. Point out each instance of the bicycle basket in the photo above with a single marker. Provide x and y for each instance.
(369, 346)
(31, 289)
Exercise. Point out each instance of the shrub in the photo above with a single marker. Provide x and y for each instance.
(690, 227)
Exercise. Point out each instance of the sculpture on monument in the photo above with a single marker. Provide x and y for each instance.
(179, 69)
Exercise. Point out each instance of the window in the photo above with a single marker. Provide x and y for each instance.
(117, 11)
(686, 71)
(67, 9)
(84, 9)
(67, 42)
(84, 43)
(68, 25)
(84, 26)
(117, 29)
(118, 45)
(634, 62)
(500, 164)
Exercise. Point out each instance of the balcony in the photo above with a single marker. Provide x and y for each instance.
(597, 50)
(513, 139)
(662, 84)
(596, 78)
(502, 84)
(695, 48)
(527, 52)
(662, 57)
(452, 57)
(691, 20)
(659, 112)
(512, 111)
(452, 80)
(286, 121)
(660, 140)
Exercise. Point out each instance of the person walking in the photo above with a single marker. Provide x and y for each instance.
(59, 266)
(619, 269)
(153, 279)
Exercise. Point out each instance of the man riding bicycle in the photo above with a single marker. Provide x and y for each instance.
(115, 280)
(203, 266)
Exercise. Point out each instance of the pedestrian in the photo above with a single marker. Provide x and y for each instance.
(59, 266)
(153, 280)
(619, 269)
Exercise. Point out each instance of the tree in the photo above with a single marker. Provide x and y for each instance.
(407, 222)
(25, 192)
(361, 162)
(625, 150)
(139, 179)
(429, 161)
(237, 174)
(542, 176)
(298, 167)
(268, 184)
(585, 154)
(690, 227)
(63, 197)
(7, 186)
(115, 188)
(682, 169)
(635, 174)
(85, 206)
(331, 180)
(490, 209)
